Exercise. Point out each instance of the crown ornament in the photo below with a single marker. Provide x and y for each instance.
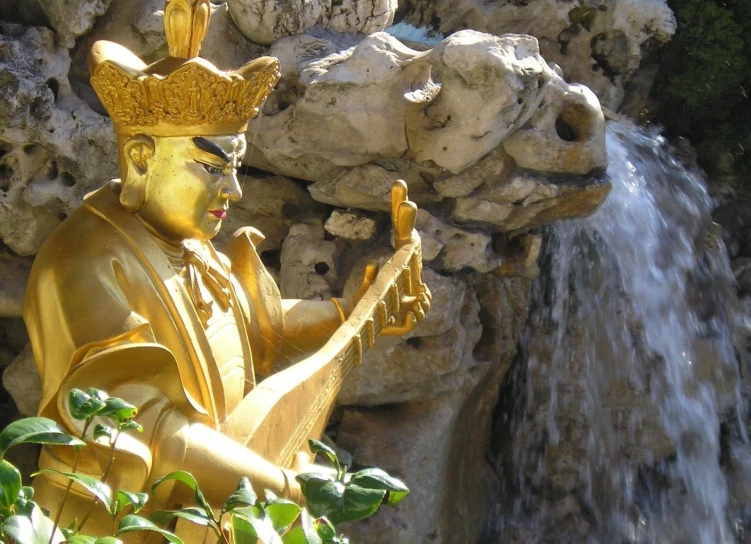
(182, 94)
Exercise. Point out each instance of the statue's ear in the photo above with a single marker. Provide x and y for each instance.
(137, 153)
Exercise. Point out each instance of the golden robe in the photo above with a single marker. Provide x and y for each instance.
(105, 308)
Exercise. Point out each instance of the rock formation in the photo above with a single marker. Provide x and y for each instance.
(491, 139)
(600, 44)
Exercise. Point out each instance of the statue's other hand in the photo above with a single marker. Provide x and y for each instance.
(412, 311)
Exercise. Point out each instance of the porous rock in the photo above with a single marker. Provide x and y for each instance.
(600, 44)
(72, 18)
(21, 380)
(53, 147)
(351, 225)
(267, 21)
(14, 273)
(308, 262)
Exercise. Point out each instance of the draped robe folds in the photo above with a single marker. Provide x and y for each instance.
(106, 309)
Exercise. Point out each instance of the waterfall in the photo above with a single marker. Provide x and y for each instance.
(628, 378)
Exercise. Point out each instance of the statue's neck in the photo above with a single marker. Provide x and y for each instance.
(174, 249)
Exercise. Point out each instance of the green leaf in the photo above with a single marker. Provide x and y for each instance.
(296, 535)
(243, 531)
(118, 410)
(282, 513)
(34, 529)
(102, 431)
(339, 502)
(261, 523)
(83, 406)
(316, 446)
(188, 479)
(131, 426)
(97, 488)
(125, 498)
(10, 484)
(189, 513)
(35, 430)
(324, 528)
(304, 478)
(81, 539)
(133, 523)
(375, 478)
(308, 526)
(243, 496)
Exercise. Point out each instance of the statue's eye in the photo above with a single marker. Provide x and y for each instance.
(214, 171)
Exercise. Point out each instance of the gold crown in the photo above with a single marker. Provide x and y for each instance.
(181, 95)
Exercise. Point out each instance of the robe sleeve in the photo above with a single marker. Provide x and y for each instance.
(84, 334)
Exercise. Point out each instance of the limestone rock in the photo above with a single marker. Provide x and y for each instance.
(53, 147)
(14, 273)
(73, 18)
(545, 200)
(454, 247)
(600, 44)
(562, 135)
(272, 204)
(308, 262)
(21, 380)
(265, 22)
(421, 367)
(139, 26)
(351, 225)
(438, 447)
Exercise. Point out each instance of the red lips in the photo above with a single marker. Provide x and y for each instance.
(219, 214)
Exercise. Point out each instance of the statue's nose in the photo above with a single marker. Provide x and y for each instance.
(231, 189)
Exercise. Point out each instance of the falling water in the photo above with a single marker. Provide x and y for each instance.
(628, 368)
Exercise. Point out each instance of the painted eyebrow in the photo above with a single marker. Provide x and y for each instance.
(210, 147)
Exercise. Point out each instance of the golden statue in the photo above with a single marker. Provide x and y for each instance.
(128, 295)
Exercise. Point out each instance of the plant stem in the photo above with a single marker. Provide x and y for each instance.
(104, 477)
(70, 482)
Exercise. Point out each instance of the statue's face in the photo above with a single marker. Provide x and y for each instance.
(191, 183)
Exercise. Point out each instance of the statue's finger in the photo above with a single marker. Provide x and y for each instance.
(398, 195)
(418, 312)
(405, 223)
(409, 323)
(368, 277)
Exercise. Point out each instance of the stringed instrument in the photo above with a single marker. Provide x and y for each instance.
(303, 395)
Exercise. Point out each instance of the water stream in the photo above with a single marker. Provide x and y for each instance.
(628, 376)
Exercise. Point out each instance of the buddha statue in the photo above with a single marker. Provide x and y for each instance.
(129, 295)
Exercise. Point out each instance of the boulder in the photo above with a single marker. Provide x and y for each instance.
(53, 147)
(308, 262)
(21, 380)
(14, 273)
(265, 22)
(600, 44)
(72, 18)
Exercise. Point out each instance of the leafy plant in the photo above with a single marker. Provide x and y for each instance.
(333, 497)
(702, 90)
(22, 521)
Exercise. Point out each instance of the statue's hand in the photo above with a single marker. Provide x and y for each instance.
(413, 307)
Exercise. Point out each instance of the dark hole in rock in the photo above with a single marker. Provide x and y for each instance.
(321, 268)
(54, 86)
(6, 172)
(62, 216)
(427, 177)
(290, 210)
(4, 149)
(565, 131)
(68, 179)
(52, 172)
(414, 342)
(29, 149)
(272, 258)
(520, 100)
